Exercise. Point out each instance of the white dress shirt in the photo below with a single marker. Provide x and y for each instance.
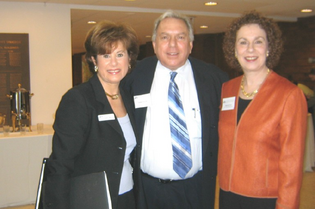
(157, 154)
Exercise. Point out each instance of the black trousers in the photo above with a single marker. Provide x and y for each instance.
(181, 194)
(230, 200)
(126, 201)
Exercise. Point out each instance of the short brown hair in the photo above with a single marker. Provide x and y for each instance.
(274, 37)
(105, 35)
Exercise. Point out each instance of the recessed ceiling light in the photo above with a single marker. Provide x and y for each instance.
(204, 26)
(91, 22)
(211, 3)
(306, 10)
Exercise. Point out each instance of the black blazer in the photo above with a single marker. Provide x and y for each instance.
(208, 79)
(82, 144)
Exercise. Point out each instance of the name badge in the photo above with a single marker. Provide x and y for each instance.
(106, 117)
(142, 100)
(228, 103)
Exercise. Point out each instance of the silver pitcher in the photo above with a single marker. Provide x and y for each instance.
(20, 107)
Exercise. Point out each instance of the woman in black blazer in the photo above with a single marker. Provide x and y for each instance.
(94, 125)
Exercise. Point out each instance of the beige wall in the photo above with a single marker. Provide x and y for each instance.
(49, 29)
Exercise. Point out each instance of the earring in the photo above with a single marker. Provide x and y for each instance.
(95, 68)
(267, 54)
(129, 67)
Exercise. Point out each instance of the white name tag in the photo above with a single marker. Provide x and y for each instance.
(142, 100)
(228, 103)
(106, 117)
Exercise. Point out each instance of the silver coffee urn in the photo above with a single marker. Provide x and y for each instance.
(20, 108)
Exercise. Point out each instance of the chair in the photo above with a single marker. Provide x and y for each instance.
(42, 178)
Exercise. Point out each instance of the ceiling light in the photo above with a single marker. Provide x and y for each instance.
(211, 3)
(91, 22)
(306, 10)
(204, 26)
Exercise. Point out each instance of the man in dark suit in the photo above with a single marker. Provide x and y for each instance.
(311, 101)
(199, 84)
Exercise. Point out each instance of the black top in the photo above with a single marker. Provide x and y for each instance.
(242, 104)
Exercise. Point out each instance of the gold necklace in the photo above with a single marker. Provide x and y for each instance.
(249, 94)
(114, 96)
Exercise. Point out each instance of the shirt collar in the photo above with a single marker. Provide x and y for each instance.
(178, 70)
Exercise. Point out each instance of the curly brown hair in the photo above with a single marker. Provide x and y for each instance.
(105, 35)
(273, 32)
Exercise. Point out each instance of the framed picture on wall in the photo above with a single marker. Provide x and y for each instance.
(14, 68)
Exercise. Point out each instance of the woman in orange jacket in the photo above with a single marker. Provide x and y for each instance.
(262, 123)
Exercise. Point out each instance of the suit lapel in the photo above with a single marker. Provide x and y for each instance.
(204, 97)
(103, 107)
(141, 88)
(129, 105)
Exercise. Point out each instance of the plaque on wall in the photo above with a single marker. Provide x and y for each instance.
(14, 67)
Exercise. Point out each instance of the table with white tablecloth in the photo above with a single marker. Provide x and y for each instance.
(309, 155)
(21, 158)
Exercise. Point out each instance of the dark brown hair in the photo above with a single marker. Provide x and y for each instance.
(104, 37)
(275, 43)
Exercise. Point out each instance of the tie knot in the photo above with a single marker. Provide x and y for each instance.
(173, 74)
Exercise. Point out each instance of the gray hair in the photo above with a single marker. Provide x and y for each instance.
(172, 14)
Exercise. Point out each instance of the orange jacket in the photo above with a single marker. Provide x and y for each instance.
(262, 155)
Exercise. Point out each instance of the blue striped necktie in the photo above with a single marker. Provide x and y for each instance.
(182, 162)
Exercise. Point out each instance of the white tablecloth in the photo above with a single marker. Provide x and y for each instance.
(309, 155)
(20, 165)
